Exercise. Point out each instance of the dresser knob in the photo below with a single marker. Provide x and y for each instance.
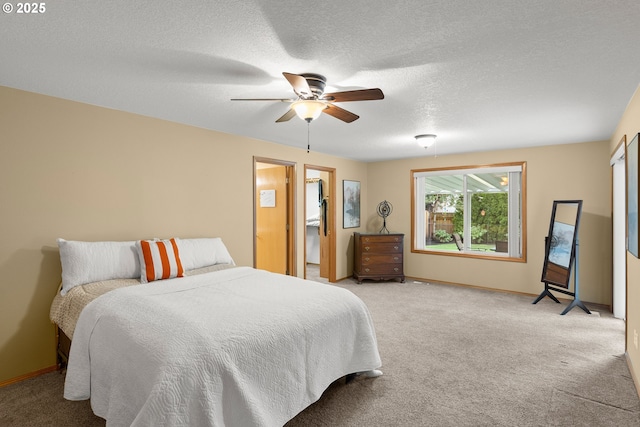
(366, 239)
(395, 247)
(366, 248)
(367, 259)
(395, 258)
(366, 269)
(396, 269)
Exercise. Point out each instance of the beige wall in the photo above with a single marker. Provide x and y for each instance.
(574, 171)
(81, 172)
(629, 126)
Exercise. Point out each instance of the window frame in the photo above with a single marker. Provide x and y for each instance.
(463, 170)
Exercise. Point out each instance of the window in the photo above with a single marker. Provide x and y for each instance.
(473, 211)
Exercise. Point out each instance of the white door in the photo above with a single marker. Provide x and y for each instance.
(619, 236)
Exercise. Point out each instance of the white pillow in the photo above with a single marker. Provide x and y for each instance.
(86, 262)
(202, 252)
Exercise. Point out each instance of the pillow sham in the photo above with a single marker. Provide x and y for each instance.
(86, 262)
(159, 259)
(203, 252)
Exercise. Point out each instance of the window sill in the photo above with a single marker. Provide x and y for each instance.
(490, 255)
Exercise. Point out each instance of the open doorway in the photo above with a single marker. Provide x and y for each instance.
(619, 232)
(274, 216)
(320, 212)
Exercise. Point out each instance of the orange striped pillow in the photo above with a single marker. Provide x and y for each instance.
(159, 259)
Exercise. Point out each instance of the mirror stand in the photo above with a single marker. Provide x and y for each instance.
(547, 293)
(548, 287)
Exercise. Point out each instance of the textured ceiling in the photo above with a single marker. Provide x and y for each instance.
(482, 75)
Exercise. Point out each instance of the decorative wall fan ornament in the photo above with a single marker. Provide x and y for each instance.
(384, 210)
(311, 101)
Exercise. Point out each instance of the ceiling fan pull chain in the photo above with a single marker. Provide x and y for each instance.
(308, 144)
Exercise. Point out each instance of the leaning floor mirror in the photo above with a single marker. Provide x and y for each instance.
(561, 252)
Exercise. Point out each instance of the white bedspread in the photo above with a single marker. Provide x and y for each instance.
(239, 347)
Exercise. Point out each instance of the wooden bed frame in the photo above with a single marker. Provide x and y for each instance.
(63, 347)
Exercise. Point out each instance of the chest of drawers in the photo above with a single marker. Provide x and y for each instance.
(378, 257)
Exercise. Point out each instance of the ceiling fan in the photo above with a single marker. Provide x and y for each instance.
(311, 100)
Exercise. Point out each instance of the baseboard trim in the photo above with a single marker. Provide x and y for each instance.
(593, 305)
(29, 375)
(597, 306)
(634, 377)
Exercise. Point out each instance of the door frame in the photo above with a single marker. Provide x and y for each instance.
(290, 168)
(331, 230)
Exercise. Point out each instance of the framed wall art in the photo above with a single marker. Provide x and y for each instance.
(351, 204)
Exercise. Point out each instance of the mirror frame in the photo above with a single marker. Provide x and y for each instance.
(553, 273)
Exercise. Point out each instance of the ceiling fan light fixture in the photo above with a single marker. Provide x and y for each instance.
(308, 109)
(425, 140)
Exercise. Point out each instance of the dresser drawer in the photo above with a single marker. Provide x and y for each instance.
(381, 238)
(370, 259)
(382, 248)
(382, 269)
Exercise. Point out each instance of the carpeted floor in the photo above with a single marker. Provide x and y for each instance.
(452, 356)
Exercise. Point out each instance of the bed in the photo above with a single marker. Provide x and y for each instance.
(211, 344)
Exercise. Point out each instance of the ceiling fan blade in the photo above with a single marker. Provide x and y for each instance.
(340, 113)
(287, 116)
(354, 95)
(264, 99)
(299, 84)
